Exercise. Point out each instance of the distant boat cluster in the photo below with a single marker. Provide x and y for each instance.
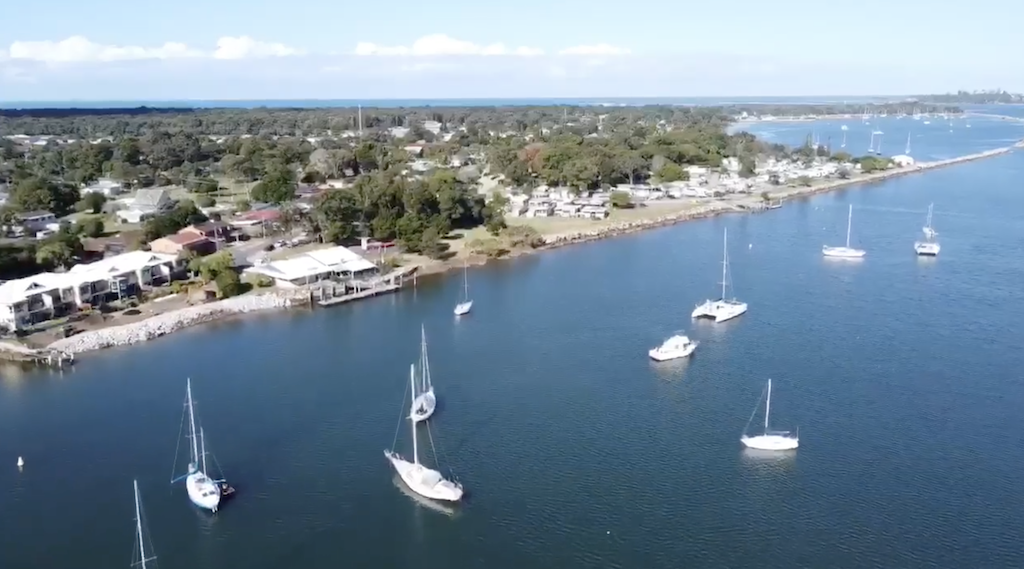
(725, 308)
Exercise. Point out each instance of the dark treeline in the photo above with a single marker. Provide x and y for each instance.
(74, 112)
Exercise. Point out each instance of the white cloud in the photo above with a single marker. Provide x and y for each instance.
(596, 49)
(79, 49)
(244, 47)
(441, 45)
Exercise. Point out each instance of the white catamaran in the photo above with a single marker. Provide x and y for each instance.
(846, 252)
(140, 536)
(424, 402)
(770, 440)
(724, 308)
(465, 305)
(425, 481)
(204, 491)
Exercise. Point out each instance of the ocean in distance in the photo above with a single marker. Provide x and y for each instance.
(903, 375)
(396, 103)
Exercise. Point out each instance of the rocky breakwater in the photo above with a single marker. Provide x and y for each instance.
(168, 322)
(622, 228)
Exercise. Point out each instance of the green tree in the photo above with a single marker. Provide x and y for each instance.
(93, 227)
(55, 254)
(276, 186)
(94, 202)
(621, 200)
(671, 172)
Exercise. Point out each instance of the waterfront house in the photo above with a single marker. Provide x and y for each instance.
(567, 209)
(31, 300)
(517, 204)
(315, 266)
(28, 301)
(539, 207)
(594, 212)
(123, 275)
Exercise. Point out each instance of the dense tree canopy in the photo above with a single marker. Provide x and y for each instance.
(271, 151)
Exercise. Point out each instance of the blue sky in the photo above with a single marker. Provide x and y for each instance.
(117, 50)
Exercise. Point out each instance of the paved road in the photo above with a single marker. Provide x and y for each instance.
(246, 252)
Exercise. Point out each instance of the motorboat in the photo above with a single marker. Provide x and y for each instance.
(678, 346)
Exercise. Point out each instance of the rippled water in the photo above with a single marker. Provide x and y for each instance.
(903, 375)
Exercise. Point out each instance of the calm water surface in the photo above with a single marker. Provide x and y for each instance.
(903, 375)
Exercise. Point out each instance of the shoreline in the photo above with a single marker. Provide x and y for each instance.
(169, 322)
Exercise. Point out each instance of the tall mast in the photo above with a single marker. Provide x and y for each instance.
(907, 150)
(424, 364)
(929, 221)
(768, 406)
(849, 221)
(202, 440)
(465, 278)
(415, 448)
(138, 529)
(360, 111)
(192, 423)
(725, 259)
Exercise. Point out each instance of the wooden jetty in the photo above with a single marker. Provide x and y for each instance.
(330, 294)
(16, 352)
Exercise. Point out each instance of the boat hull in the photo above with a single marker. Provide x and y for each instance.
(203, 492)
(424, 481)
(463, 308)
(719, 310)
(423, 406)
(927, 249)
(770, 442)
(843, 252)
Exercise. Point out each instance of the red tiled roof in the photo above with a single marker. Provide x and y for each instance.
(186, 238)
(262, 215)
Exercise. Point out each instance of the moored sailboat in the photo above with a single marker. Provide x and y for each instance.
(204, 491)
(846, 252)
(140, 536)
(424, 401)
(769, 440)
(421, 479)
(930, 246)
(723, 308)
(465, 305)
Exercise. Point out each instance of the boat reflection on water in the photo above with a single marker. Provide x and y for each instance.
(420, 500)
(769, 460)
(671, 370)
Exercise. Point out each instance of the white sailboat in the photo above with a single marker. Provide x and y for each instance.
(678, 346)
(425, 481)
(846, 252)
(463, 307)
(140, 536)
(204, 491)
(770, 440)
(424, 402)
(724, 308)
(907, 149)
(930, 246)
(844, 129)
